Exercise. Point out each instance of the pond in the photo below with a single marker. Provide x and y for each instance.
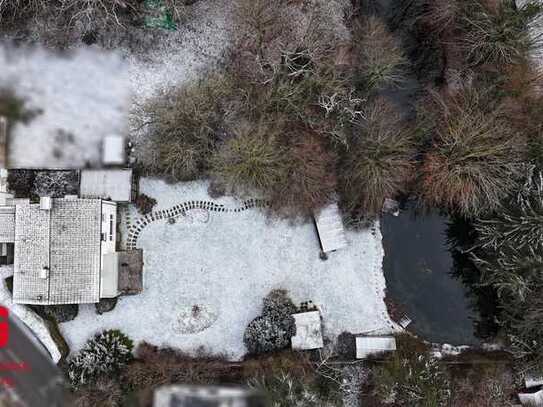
(419, 267)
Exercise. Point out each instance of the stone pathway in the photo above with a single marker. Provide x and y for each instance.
(135, 229)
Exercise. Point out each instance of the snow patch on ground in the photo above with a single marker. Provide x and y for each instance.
(182, 55)
(226, 266)
(82, 95)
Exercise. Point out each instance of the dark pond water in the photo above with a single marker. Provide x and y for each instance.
(420, 275)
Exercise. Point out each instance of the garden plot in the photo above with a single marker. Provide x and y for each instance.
(204, 279)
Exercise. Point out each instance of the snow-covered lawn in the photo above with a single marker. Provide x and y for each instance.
(224, 265)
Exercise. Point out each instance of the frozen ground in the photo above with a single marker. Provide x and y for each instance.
(82, 95)
(222, 266)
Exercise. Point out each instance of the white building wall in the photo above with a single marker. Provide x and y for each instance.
(109, 227)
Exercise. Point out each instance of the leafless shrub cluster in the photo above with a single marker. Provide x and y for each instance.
(251, 161)
(104, 392)
(379, 161)
(97, 12)
(11, 10)
(474, 158)
(497, 32)
(184, 126)
(379, 59)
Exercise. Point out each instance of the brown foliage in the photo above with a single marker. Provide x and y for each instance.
(154, 367)
(104, 393)
(474, 158)
(379, 161)
(311, 180)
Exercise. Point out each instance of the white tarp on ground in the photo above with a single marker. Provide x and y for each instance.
(223, 268)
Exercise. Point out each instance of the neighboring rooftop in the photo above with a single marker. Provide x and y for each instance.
(57, 252)
(114, 184)
(308, 331)
(7, 224)
(206, 396)
(113, 150)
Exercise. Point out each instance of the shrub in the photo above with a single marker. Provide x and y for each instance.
(474, 157)
(346, 345)
(105, 354)
(499, 34)
(105, 305)
(379, 160)
(11, 10)
(97, 13)
(145, 204)
(252, 160)
(184, 126)
(409, 378)
(277, 304)
(286, 390)
(56, 184)
(104, 393)
(311, 180)
(59, 313)
(273, 329)
(378, 57)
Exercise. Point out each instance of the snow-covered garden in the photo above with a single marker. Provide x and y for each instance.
(205, 277)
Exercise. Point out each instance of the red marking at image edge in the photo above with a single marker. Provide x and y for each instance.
(4, 327)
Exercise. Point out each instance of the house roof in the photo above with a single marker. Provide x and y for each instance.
(57, 252)
(330, 228)
(7, 224)
(107, 184)
(369, 345)
(308, 331)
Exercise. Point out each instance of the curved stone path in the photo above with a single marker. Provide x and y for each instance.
(135, 229)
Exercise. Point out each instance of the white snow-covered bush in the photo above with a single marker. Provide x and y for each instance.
(107, 353)
(273, 329)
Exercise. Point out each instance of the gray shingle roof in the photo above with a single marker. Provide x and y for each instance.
(7, 224)
(65, 239)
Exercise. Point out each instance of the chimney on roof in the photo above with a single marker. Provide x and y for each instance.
(46, 203)
(44, 273)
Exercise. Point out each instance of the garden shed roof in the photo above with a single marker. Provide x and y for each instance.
(114, 184)
(57, 252)
(370, 345)
(7, 224)
(531, 399)
(308, 331)
(330, 228)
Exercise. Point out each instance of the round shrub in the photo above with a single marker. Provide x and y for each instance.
(60, 313)
(346, 345)
(266, 334)
(273, 329)
(105, 354)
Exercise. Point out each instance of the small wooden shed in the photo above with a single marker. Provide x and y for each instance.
(371, 345)
(330, 228)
